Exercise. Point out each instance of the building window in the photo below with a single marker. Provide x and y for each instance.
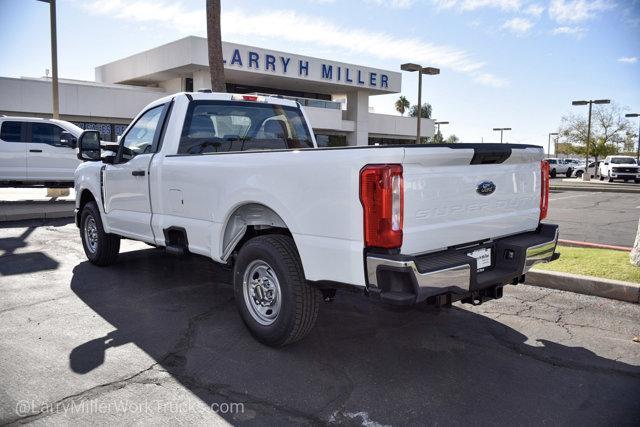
(331, 140)
(390, 141)
(188, 84)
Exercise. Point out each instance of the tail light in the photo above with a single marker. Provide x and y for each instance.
(544, 189)
(382, 198)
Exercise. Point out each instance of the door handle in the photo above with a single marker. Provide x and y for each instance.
(35, 151)
(138, 173)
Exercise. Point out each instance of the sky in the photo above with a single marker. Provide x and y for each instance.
(504, 63)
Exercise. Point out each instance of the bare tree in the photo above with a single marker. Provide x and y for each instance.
(214, 46)
(608, 130)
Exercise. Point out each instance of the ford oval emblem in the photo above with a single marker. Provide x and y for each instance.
(485, 188)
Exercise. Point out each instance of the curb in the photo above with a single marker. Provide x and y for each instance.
(577, 244)
(601, 189)
(587, 285)
(36, 210)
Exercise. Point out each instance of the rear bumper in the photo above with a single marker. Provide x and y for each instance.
(405, 280)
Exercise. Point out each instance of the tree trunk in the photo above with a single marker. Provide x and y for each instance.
(635, 252)
(214, 45)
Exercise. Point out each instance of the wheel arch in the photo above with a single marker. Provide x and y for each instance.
(246, 221)
(86, 196)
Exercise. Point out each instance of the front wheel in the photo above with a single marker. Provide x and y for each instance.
(275, 301)
(579, 174)
(100, 247)
(569, 172)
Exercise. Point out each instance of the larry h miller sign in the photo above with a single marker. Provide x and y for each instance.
(252, 59)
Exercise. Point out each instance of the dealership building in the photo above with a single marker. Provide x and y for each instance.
(335, 95)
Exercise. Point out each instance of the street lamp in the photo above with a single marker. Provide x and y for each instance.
(438, 125)
(501, 130)
(586, 176)
(638, 150)
(421, 70)
(54, 58)
(549, 145)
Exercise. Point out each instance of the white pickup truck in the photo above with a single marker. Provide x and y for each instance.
(619, 167)
(35, 151)
(239, 179)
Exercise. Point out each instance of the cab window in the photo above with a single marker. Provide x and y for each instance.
(223, 126)
(11, 132)
(139, 139)
(45, 133)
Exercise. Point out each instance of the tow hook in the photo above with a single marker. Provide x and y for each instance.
(475, 299)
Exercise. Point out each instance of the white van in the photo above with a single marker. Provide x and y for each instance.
(36, 151)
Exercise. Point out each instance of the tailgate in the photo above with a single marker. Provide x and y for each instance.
(443, 206)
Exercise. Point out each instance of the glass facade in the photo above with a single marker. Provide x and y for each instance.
(108, 131)
(324, 140)
(390, 141)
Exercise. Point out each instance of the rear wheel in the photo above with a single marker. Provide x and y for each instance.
(552, 173)
(569, 171)
(101, 248)
(275, 301)
(601, 178)
(579, 174)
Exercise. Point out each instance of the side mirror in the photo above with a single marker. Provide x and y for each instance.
(109, 152)
(89, 146)
(68, 140)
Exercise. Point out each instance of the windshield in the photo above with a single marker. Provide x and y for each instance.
(223, 126)
(623, 161)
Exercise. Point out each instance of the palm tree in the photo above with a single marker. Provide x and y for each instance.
(402, 104)
(214, 46)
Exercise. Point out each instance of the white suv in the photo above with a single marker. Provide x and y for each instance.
(36, 151)
(619, 167)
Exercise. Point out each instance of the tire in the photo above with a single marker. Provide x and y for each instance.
(610, 179)
(637, 181)
(552, 174)
(569, 172)
(578, 174)
(626, 180)
(601, 178)
(101, 248)
(288, 306)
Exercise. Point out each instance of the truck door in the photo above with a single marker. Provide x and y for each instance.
(48, 157)
(13, 151)
(126, 182)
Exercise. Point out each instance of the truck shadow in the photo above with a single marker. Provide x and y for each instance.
(361, 362)
(12, 263)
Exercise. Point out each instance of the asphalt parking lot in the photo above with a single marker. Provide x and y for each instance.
(595, 217)
(157, 339)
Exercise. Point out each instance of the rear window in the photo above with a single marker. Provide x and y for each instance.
(223, 126)
(11, 131)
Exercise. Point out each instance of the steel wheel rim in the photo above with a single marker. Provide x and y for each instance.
(261, 290)
(91, 234)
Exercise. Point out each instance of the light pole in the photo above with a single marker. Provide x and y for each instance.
(638, 149)
(438, 125)
(549, 145)
(585, 175)
(54, 58)
(421, 70)
(501, 130)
